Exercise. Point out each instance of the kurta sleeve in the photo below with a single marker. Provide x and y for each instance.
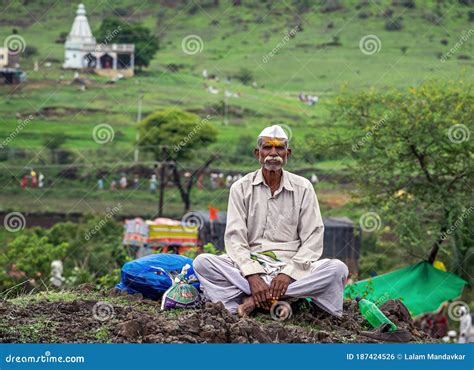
(235, 238)
(311, 234)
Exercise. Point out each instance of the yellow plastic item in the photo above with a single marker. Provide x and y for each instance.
(439, 265)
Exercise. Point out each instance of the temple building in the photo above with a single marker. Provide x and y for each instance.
(84, 53)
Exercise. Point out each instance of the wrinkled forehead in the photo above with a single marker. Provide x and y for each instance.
(273, 141)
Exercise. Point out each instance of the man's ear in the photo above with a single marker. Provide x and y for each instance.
(288, 152)
(256, 153)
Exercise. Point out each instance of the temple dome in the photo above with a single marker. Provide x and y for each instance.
(80, 32)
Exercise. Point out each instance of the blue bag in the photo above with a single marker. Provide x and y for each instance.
(152, 275)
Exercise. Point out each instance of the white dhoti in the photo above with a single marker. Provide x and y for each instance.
(222, 281)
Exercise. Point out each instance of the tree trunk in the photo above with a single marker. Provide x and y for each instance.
(162, 190)
(162, 181)
(441, 238)
(177, 182)
(186, 192)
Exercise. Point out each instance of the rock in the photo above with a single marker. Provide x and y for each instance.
(322, 335)
(131, 329)
(114, 292)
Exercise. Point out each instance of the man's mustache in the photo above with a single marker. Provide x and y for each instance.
(273, 159)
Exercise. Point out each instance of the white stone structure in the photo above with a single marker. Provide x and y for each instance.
(3, 57)
(83, 52)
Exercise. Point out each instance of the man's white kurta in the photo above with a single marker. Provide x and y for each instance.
(289, 224)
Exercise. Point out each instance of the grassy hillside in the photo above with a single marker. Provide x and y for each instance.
(323, 58)
(233, 37)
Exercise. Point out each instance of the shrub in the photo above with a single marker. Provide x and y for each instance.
(394, 24)
(244, 75)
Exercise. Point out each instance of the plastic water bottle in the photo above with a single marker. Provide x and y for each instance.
(372, 313)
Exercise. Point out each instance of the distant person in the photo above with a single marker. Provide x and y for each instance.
(123, 182)
(213, 181)
(40, 180)
(100, 184)
(34, 180)
(228, 181)
(113, 185)
(314, 179)
(24, 182)
(221, 180)
(153, 183)
(136, 182)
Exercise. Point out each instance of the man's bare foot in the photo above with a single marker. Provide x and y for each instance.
(246, 307)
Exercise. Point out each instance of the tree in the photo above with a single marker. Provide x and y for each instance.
(414, 162)
(174, 136)
(114, 30)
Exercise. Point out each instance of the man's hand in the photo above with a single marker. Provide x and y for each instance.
(260, 291)
(280, 285)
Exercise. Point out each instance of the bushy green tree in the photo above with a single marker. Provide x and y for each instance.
(174, 136)
(414, 156)
(114, 30)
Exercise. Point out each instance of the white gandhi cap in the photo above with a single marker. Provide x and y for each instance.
(274, 131)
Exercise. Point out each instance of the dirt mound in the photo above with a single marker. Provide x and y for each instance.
(114, 318)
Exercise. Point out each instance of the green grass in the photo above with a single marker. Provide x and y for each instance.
(103, 334)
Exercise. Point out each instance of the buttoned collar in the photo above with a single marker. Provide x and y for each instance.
(285, 180)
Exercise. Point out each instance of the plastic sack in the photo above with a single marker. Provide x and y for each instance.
(154, 274)
(181, 294)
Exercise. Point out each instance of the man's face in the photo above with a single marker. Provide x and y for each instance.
(273, 153)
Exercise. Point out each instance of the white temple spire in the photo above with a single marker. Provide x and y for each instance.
(81, 31)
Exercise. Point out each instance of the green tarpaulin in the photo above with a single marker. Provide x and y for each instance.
(421, 287)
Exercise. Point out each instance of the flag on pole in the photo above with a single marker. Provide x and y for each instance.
(213, 213)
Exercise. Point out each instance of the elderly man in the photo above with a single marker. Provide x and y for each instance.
(273, 240)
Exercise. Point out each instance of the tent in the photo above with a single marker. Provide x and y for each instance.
(421, 287)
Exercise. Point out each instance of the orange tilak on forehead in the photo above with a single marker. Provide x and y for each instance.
(273, 141)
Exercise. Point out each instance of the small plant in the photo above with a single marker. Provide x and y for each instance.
(210, 248)
(102, 334)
